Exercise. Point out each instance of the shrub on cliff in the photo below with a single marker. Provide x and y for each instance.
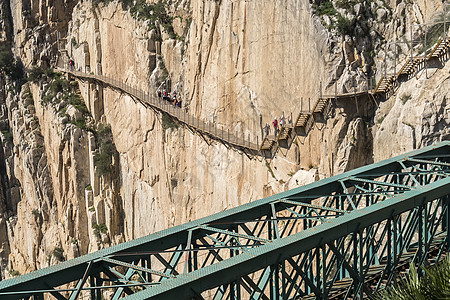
(6, 136)
(61, 92)
(10, 66)
(36, 74)
(141, 10)
(58, 253)
(324, 8)
(6, 59)
(99, 229)
(106, 150)
(345, 26)
(57, 85)
(168, 122)
(155, 12)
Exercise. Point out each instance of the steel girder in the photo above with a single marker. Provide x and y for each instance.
(342, 236)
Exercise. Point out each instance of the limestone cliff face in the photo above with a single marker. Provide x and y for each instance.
(235, 63)
(172, 176)
(417, 114)
(237, 60)
(44, 214)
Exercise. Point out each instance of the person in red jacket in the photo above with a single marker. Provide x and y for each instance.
(71, 64)
(275, 126)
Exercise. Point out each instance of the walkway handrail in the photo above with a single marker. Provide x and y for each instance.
(205, 128)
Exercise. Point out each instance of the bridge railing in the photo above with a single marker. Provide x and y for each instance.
(353, 265)
(351, 252)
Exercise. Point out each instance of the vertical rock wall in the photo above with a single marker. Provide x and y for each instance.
(252, 59)
(234, 66)
(236, 63)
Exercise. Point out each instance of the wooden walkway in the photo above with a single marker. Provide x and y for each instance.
(304, 122)
(205, 129)
(267, 147)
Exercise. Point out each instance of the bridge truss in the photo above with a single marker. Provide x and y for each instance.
(342, 237)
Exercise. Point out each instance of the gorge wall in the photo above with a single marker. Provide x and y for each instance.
(236, 63)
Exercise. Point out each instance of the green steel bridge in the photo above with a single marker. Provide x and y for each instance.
(342, 237)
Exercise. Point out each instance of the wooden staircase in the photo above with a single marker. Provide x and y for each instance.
(266, 144)
(439, 49)
(302, 125)
(385, 84)
(302, 119)
(284, 134)
(410, 66)
(320, 105)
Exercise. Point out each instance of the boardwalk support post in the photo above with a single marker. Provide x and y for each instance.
(320, 95)
(425, 55)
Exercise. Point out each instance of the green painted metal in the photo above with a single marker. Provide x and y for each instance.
(298, 247)
(135, 267)
(248, 237)
(271, 253)
(315, 206)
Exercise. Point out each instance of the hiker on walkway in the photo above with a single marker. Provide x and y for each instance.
(282, 121)
(267, 129)
(174, 98)
(71, 64)
(158, 92)
(275, 126)
(165, 96)
(178, 103)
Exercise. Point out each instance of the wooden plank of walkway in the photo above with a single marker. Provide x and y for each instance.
(441, 44)
(409, 66)
(320, 105)
(302, 119)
